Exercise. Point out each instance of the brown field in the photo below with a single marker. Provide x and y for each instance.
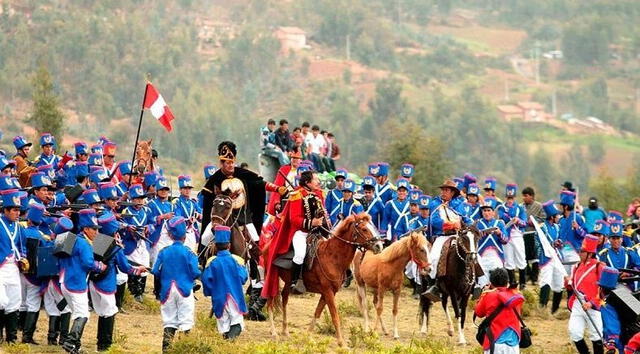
(140, 331)
(484, 40)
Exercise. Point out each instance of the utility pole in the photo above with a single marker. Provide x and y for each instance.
(348, 47)
(506, 90)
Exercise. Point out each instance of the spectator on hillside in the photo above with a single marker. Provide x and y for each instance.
(283, 137)
(633, 206)
(298, 141)
(316, 144)
(334, 152)
(267, 143)
(593, 213)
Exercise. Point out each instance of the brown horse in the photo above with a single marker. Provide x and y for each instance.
(385, 271)
(325, 277)
(143, 161)
(462, 270)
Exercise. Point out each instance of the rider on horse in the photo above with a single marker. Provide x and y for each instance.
(303, 214)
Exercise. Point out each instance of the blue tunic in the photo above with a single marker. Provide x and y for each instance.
(222, 280)
(43, 160)
(492, 240)
(568, 235)
(10, 240)
(332, 202)
(76, 267)
(385, 192)
(178, 266)
(346, 208)
(611, 328)
(32, 232)
(134, 217)
(551, 232)
(375, 209)
(108, 283)
(393, 212)
(158, 207)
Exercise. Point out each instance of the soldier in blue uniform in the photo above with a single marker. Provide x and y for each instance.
(394, 210)
(177, 269)
(552, 272)
(611, 324)
(423, 214)
(490, 184)
(407, 171)
(472, 206)
(491, 244)
(12, 253)
(616, 256)
(572, 230)
(408, 220)
(384, 189)
(347, 205)
(48, 155)
(332, 201)
(371, 203)
(222, 279)
(160, 211)
(74, 271)
(135, 245)
(514, 253)
(149, 183)
(188, 208)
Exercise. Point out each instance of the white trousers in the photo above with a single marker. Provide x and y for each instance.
(103, 304)
(552, 276)
(504, 349)
(411, 271)
(10, 290)
(77, 301)
(190, 240)
(141, 254)
(121, 277)
(52, 297)
(299, 247)
(434, 255)
(578, 322)
(178, 311)
(514, 255)
(488, 262)
(31, 298)
(230, 316)
(164, 241)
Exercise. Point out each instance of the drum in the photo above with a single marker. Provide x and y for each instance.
(46, 262)
(63, 246)
(32, 255)
(104, 247)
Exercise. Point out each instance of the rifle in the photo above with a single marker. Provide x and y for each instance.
(128, 204)
(74, 208)
(138, 231)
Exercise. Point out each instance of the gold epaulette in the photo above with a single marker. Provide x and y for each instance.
(236, 257)
(295, 195)
(210, 260)
(603, 251)
(23, 223)
(356, 202)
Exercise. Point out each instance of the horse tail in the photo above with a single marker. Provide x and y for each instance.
(274, 304)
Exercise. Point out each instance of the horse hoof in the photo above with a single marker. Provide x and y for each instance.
(450, 332)
(396, 337)
(462, 342)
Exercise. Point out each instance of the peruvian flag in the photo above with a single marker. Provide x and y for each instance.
(155, 103)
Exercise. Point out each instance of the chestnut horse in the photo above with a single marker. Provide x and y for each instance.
(462, 270)
(385, 271)
(143, 161)
(325, 277)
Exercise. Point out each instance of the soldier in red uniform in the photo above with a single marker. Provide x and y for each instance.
(304, 213)
(585, 301)
(289, 171)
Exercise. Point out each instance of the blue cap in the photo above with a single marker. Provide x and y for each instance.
(601, 227)
(126, 168)
(407, 170)
(511, 189)
(567, 198)
(81, 169)
(161, 183)
(403, 183)
(87, 218)
(90, 196)
(136, 191)
(615, 215)
(81, 148)
(383, 169)
(184, 181)
(95, 159)
(107, 191)
(369, 181)
(424, 201)
(19, 142)
(61, 177)
(222, 234)
(11, 198)
(97, 149)
(473, 189)
(99, 175)
(469, 179)
(349, 185)
(373, 169)
(48, 170)
(490, 183)
(609, 278)
(615, 228)
(63, 225)
(35, 213)
(177, 227)
(459, 183)
(150, 179)
(489, 202)
(550, 208)
(109, 225)
(4, 162)
(341, 173)
(47, 139)
(39, 180)
(6, 182)
(303, 168)
(24, 201)
(209, 170)
(414, 196)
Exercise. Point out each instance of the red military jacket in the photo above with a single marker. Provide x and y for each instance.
(489, 301)
(279, 181)
(584, 278)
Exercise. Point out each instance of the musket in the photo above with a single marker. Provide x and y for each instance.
(286, 179)
(68, 206)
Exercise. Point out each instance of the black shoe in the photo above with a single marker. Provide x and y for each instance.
(120, 290)
(597, 347)
(21, 319)
(348, 277)
(581, 346)
(54, 330)
(555, 301)
(30, 321)
(63, 327)
(545, 291)
(512, 279)
(535, 272)
(234, 332)
(73, 342)
(167, 337)
(105, 333)
(297, 284)
(11, 324)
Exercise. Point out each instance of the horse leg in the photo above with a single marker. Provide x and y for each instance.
(448, 317)
(396, 297)
(463, 316)
(361, 294)
(379, 307)
(317, 314)
(331, 304)
(456, 311)
(271, 322)
(425, 306)
(285, 300)
(375, 304)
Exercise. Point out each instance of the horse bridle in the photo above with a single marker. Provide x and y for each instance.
(224, 199)
(467, 253)
(361, 246)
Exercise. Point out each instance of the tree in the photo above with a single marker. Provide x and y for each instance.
(543, 173)
(388, 103)
(46, 115)
(610, 194)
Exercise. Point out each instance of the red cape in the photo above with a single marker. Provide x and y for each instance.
(279, 181)
(293, 217)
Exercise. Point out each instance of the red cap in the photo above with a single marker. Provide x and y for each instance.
(590, 244)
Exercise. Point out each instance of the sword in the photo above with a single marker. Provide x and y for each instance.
(286, 179)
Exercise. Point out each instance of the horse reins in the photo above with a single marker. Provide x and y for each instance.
(472, 279)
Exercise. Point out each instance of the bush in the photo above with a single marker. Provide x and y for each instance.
(359, 339)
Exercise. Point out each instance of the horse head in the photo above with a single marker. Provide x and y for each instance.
(470, 235)
(360, 232)
(221, 209)
(419, 249)
(143, 161)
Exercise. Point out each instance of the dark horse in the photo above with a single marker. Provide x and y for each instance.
(462, 270)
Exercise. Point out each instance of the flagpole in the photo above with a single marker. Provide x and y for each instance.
(144, 99)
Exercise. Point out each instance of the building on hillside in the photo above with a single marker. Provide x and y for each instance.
(212, 34)
(509, 112)
(291, 38)
(525, 111)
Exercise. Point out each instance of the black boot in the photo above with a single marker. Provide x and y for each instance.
(522, 278)
(30, 320)
(11, 323)
(105, 332)
(54, 330)
(433, 292)
(63, 327)
(120, 296)
(156, 287)
(416, 291)
(257, 303)
(535, 271)
(167, 338)
(21, 319)
(73, 342)
(581, 346)
(297, 284)
(597, 347)
(234, 331)
(2, 320)
(545, 291)
(348, 277)
(555, 301)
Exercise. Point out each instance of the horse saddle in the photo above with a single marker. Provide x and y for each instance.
(285, 261)
(444, 253)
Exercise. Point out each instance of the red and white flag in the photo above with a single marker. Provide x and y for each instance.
(158, 107)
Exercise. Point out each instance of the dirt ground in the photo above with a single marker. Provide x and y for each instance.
(139, 330)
